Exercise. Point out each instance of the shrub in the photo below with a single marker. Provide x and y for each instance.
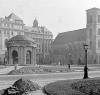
(74, 87)
(88, 86)
(20, 87)
(14, 72)
(26, 70)
(61, 88)
(26, 85)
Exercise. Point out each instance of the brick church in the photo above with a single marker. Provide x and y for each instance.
(90, 34)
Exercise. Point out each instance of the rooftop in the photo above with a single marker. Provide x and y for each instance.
(21, 40)
(70, 37)
(14, 17)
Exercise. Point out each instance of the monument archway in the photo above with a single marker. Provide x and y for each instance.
(15, 57)
(21, 50)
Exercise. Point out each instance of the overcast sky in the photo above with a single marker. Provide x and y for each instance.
(57, 15)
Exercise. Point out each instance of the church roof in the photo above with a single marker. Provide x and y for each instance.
(14, 17)
(70, 37)
(95, 9)
(21, 40)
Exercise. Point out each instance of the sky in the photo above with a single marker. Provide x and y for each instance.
(57, 15)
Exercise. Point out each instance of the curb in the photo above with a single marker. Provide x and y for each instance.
(45, 91)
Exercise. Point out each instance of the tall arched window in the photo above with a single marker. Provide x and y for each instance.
(90, 37)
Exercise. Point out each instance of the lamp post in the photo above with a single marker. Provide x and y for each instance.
(85, 67)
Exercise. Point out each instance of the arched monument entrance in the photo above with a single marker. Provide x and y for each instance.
(28, 57)
(21, 50)
(15, 57)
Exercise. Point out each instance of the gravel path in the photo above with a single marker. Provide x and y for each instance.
(8, 69)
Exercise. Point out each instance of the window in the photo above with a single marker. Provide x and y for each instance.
(90, 20)
(90, 33)
(99, 43)
(99, 31)
(18, 21)
(98, 18)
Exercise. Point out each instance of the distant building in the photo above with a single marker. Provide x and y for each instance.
(90, 34)
(41, 35)
(9, 26)
(12, 25)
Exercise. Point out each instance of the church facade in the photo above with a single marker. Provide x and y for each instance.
(90, 34)
(13, 25)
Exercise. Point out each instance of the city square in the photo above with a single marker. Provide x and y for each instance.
(43, 52)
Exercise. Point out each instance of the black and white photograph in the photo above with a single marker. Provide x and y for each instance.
(49, 47)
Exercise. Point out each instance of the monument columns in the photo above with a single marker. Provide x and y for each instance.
(10, 57)
(19, 46)
(24, 56)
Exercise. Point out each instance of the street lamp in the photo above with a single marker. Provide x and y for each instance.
(85, 67)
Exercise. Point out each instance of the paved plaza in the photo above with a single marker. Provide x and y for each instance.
(8, 69)
(42, 79)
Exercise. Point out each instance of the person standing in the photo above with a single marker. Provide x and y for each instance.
(68, 65)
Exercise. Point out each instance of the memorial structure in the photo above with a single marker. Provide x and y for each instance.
(21, 50)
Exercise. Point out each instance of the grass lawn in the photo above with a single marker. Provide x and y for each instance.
(39, 70)
(74, 87)
(51, 69)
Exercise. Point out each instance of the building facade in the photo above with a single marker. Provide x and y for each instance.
(9, 26)
(93, 31)
(90, 34)
(12, 25)
(41, 35)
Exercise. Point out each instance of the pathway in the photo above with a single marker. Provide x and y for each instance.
(8, 69)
